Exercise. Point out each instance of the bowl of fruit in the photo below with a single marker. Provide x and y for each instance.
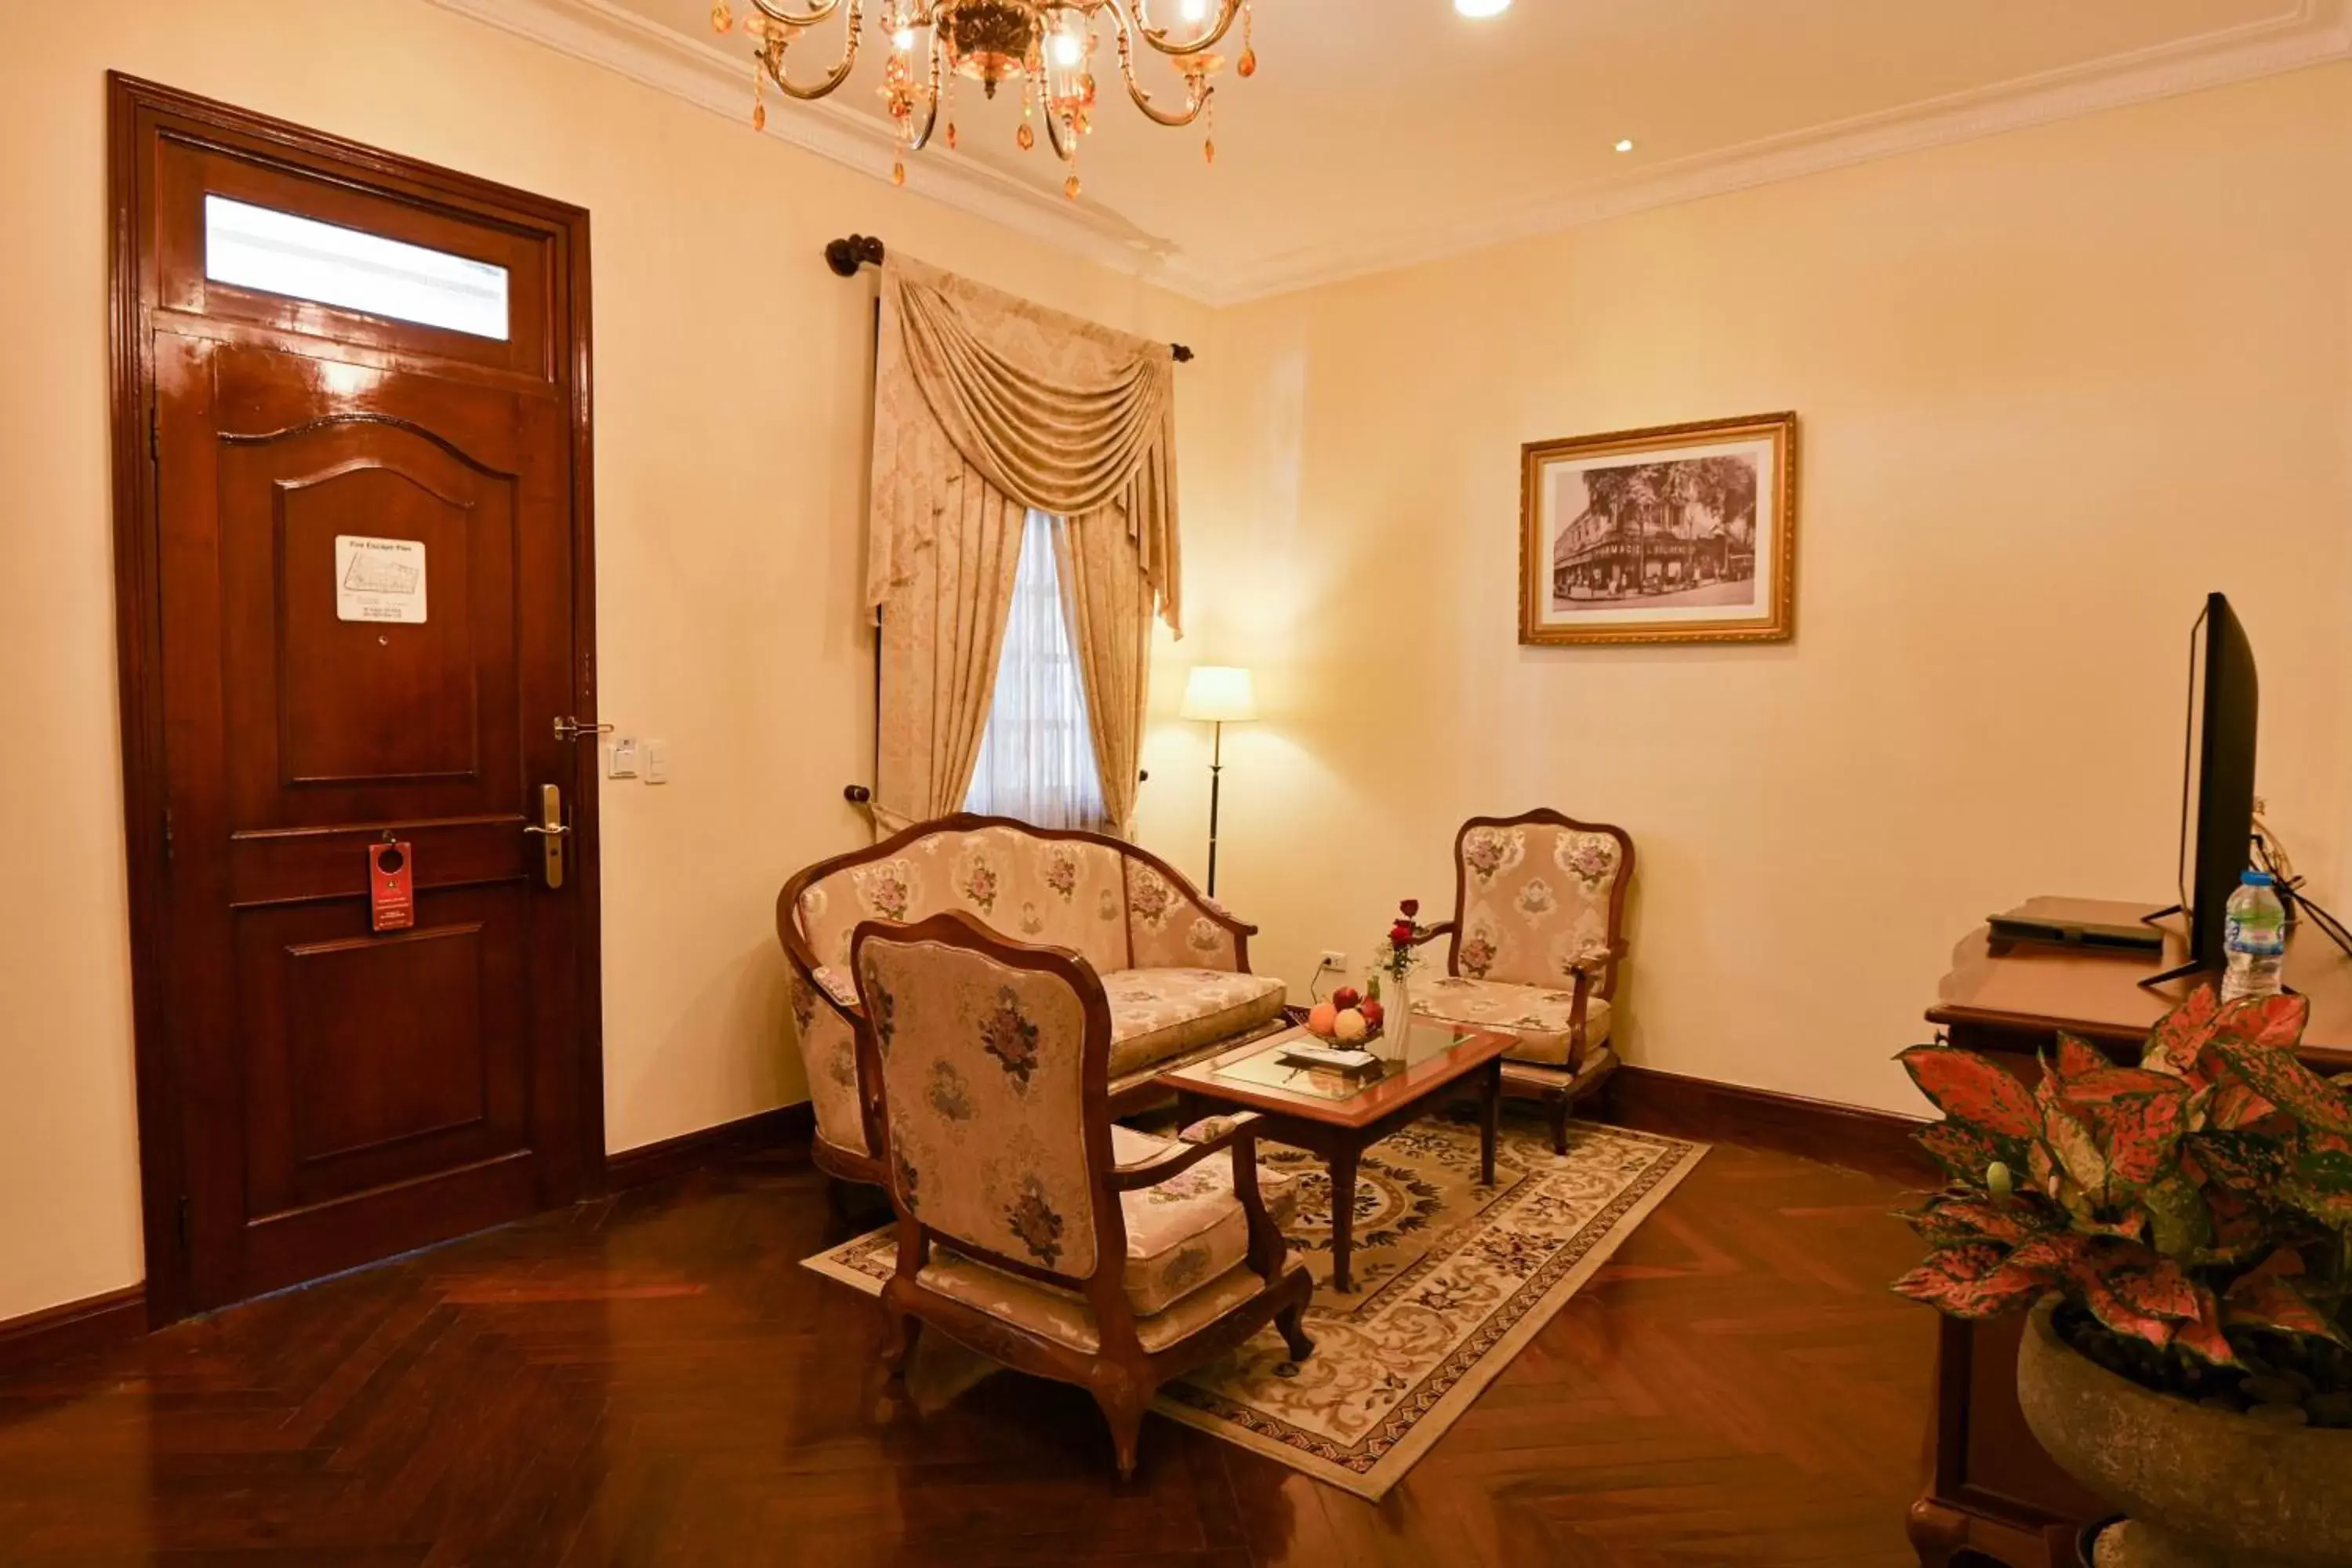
(1350, 1019)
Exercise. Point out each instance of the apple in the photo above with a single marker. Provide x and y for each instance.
(1322, 1019)
(1350, 1027)
(1372, 1011)
(1345, 998)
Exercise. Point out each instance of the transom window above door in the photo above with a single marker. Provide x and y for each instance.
(279, 253)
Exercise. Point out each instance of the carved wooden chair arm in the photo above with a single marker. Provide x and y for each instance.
(1239, 1134)
(1431, 933)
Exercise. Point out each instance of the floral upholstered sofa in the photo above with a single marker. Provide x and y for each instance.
(1174, 966)
(1538, 939)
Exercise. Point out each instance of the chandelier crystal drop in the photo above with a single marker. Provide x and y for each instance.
(1047, 46)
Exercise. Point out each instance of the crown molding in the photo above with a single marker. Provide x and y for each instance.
(697, 70)
(2314, 32)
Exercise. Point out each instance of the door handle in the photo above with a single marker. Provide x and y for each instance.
(550, 831)
(572, 729)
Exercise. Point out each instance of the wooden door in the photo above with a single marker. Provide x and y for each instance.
(354, 540)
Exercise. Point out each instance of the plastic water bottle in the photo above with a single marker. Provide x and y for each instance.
(2255, 937)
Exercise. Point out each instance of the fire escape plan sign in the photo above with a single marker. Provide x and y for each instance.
(379, 580)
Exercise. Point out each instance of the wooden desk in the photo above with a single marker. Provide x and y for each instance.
(1993, 1491)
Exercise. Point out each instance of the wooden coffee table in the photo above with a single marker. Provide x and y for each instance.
(1338, 1118)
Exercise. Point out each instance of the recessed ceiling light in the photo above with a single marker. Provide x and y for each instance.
(1625, 145)
(1482, 8)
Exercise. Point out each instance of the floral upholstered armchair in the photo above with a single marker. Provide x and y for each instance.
(1175, 966)
(1033, 1229)
(1537, 939)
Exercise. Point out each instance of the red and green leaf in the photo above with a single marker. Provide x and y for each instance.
(2180, 1225)
(2324, 1168)
(1973, 1279)
(2274, 1021)
(1966, 1152)
(2236, 1106)
(1952, 1217)
(2071, 1142)
(2144, 1134)
(2112, 1083)
(1971, 1087)
(2077, 1057)
(2286, 1083)
(2179, 1039)
(2267, 1297)
(2160, 1288)
(2245, 1161)
(2096, 1279)
(2203, 1337)
(2333, 1210)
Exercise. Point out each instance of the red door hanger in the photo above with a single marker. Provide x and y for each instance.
(391, 905)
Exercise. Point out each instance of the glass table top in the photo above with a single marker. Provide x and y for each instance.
(1261, 1065)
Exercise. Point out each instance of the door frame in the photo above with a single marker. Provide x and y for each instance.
(138, 112)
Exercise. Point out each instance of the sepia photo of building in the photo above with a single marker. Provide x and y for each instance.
(1681, 531)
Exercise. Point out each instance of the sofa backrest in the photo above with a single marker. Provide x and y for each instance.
(1056, 892)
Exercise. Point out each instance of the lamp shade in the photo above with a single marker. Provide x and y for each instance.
(1219, 693)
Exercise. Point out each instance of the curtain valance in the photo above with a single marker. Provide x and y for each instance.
(975, 386)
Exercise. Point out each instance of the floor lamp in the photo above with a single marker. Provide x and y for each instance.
(1218, 695)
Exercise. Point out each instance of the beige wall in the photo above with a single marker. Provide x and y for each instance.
(731, 387)
(2053, 386)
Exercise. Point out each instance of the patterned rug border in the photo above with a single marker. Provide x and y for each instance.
(1376, 1463)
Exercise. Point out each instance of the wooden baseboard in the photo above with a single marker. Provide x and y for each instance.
(72, 1328)
(786, 1129)
(1878, 1142)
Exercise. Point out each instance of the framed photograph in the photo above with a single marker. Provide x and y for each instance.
(1684, 533)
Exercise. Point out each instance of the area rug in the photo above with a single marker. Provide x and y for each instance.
(1452, 1277)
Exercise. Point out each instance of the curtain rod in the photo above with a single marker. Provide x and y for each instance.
(847, 256)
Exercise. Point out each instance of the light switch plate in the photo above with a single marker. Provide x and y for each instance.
(657, 762)
(621, 758)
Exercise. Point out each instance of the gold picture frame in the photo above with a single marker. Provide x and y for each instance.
(1691, 537)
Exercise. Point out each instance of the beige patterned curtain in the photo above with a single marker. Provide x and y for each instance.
(1108, 603)
(986, 405)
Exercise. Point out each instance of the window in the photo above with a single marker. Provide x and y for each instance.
(1037, 757)
(279, 253)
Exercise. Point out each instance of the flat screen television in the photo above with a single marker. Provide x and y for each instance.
(2216, 797)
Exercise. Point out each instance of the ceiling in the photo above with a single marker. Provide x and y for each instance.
(1377, 133)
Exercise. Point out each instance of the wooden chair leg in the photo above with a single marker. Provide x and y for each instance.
(1291, 1323)
(1123, 1406)
(1559, 1108)
(901, 1330)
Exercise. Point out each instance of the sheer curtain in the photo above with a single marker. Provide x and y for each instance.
(1037, 754)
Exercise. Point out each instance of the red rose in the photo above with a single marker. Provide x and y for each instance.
(1411, 907)
(1401, 932)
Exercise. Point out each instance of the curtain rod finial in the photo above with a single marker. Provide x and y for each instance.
(847, 256)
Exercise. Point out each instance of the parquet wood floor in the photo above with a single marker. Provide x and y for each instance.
(653, 1379)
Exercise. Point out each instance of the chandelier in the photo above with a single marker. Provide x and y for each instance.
(1048, 46)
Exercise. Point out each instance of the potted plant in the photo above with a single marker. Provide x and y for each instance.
(2181, 1233)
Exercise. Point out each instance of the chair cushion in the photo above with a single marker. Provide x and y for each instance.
(1064, 1317)
(1537, 1015)
(1186, 1238)
(1190, 1228)
(1156, 1014)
